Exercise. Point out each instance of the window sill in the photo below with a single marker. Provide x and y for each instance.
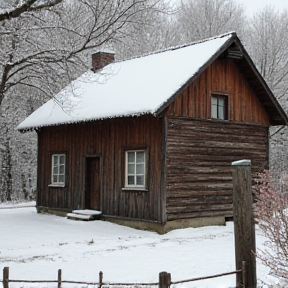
(56, 185)
(135, 189)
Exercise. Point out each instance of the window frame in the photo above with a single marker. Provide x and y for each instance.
(134, 186)
(58, 174)
(225, 106)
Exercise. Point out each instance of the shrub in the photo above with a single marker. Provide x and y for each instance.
(271, 213)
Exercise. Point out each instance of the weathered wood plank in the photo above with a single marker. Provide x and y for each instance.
(186, 192)
(199, 154)
(202, 200)
(197, 214)
(222, 76)
(199, 207)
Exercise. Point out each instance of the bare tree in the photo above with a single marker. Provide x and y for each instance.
(190, 20)
(267, 42)
(41, 47)
(200, 19)
(152, 34)
(14, 8)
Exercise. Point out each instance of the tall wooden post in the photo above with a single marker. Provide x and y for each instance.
(59, 278)
(100, 279)
(6, 277)
(164, 280)
(244, 228)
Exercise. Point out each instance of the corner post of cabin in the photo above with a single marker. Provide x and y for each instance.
(244, 227)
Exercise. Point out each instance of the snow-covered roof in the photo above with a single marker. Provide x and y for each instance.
(133, 87)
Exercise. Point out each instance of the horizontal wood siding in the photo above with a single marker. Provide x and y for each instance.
(224, 77)
(199, 156)
(107, 139)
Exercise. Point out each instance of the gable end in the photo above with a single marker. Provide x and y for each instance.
(233, 49)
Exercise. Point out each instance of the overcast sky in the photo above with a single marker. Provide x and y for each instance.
(252, 6)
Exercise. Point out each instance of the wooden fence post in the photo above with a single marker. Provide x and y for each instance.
(59, 278)
(6, 277)
(244, 228)
(164, 280)
(100, 279)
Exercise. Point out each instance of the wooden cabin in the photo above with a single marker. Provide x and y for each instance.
(149, 141)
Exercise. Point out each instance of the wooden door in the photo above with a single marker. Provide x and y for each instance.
(92, 194)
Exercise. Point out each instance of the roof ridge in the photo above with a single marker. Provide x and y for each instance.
(171, 48)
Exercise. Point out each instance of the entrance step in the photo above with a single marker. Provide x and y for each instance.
(84, 215)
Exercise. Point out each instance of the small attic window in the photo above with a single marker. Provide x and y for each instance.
(219, 106)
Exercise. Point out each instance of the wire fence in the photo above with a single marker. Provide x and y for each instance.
(164, 280)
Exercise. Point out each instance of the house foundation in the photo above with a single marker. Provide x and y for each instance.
(160, 228)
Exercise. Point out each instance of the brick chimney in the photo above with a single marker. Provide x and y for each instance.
(101, 59)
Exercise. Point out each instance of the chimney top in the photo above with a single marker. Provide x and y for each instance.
(102, 58)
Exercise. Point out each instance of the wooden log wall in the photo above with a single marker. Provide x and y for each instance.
(199, 156)
(108, 140)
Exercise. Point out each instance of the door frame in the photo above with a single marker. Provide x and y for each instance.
(86, 158)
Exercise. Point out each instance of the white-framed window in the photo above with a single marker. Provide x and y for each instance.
(135, 169)
(58, 169)
(219, 107)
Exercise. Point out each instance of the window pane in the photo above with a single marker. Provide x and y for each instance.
(140, 169)
(62, 169)
(55, 159)
(131, 168)
(130, 180)
(55, 179)
(214, 101)
(61, 178)
(221, 113)
(62, 159)
(140, 180)
(55, 170)
(140, 156)
(131, 157)
(214, 111)
(221, 102)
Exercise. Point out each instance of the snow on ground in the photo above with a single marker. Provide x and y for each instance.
(34, 246)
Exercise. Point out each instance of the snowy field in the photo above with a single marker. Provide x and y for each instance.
(34, 246)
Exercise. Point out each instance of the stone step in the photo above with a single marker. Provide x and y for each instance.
(84, 215)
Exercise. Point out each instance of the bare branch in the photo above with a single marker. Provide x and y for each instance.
(27, 6)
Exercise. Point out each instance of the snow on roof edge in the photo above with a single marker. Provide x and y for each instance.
(26, 129)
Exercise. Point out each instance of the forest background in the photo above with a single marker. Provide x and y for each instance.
(47, 43)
